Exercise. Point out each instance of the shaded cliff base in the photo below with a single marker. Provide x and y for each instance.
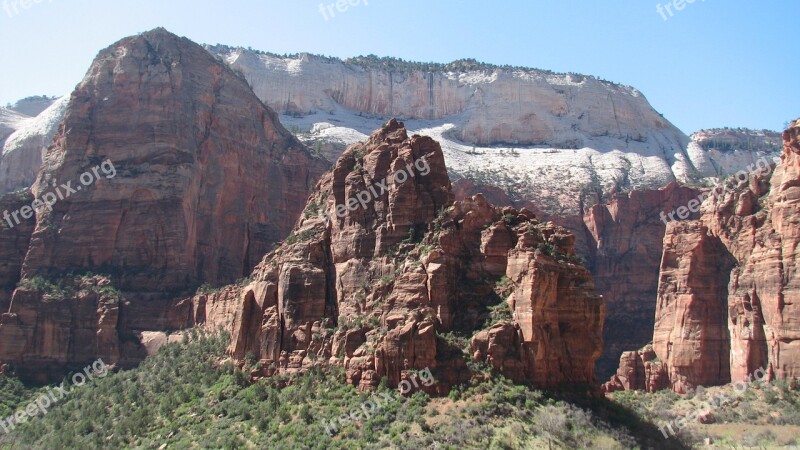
(190, 395)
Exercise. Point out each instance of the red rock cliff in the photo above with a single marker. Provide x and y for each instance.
(729, 301)
(402, 281)
(621, 242)
(191, 180)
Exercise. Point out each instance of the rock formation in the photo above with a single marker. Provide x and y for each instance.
(10, 121)
(14, 242)
(205, 178)
(24, 149)
(621, 242)
(727, 300)
(400, 282)
(179, 176)
(498, 105)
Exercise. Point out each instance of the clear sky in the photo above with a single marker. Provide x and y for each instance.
(714, 63)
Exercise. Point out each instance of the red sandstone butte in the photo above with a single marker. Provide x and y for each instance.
(387, 289)
(206, 182)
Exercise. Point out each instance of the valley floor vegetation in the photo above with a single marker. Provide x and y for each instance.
(765, 415)
(190, 395)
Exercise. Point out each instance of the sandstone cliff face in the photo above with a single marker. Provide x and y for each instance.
(206, 178)
(402, 282)
(49, 328)
(592, 138)
(621, 242)
(198, 181)
(520, 106)
(624, 243)
(14, 242)
(726, 302)
(691, 330)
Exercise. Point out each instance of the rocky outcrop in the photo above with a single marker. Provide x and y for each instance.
(623, 245)
(619, 240)
(638, 370)
(14, 242)
(691, 330)
(168, 173)
(204, 179)
(50, 327)
(401, 281)
(727, 296)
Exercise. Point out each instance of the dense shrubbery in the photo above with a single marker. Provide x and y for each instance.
(12, 394)
(189, 396)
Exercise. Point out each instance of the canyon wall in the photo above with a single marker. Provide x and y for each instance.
(168, 173)
(728, 294)
(402, 282)
(493, 104)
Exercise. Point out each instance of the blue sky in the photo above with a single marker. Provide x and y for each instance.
(714, 63)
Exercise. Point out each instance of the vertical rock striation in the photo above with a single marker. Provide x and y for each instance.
(401, 281)
(729, 292)
(191, 180)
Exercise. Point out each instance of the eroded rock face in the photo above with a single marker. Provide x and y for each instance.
(621, 242)
(638, 370)
(401, 282)
(14, 241)
(728, 294)
(206, 179)
(47, 329)
(624, 243)
(191, 180)
(496, 105)
(691, 330)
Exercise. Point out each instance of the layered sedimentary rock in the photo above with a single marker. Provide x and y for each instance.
(624, 243)
(52, 327)
(728, 295)
(167, 172)
(400, 281)
(512, 105)
(691, 332)
(621, 243)
(14, 242)
(205, 178)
